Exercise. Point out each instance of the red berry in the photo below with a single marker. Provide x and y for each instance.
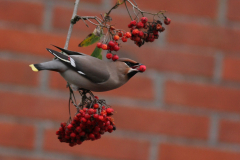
(87, 116)
(115, 57)
(111, 43)
(100, 118)
(89, 122)
(104, 47)
(128, 34)
(70, 126)
(116, 48)
(144, 19)
(96, 97)
(90, 111)
(112, 27)
(135, 32)
(142, 68)
(141, 34)
(83, 120)
(107, 123)
(133, 23)
(140, 25)
(109, 55)
(159, 27)
(167, 21)
(110, 127)
(79, 142)
(155, 32)
(116, 37)
(63, 124)
(78, 129)
(82, 133)
(152, 39)
(129, 25)
(99, 45)
(137, 39)
(95, 116)
(120, 34)
(95, 106)
(91, 136)
(124, 39)
(96, 129)
(57, 133)
(109, 110)
(79, 115)
(72, 135)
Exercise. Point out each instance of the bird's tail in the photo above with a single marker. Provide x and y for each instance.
(36, 67)
(54, 65)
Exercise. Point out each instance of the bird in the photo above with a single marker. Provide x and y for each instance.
(82, 71)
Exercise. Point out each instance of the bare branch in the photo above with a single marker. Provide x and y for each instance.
(71, 25)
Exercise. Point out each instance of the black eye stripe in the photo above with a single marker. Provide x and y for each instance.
(131, 64)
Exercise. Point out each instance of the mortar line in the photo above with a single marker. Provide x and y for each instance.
(213, 129)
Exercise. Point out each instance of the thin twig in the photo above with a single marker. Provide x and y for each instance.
(128, 10)
(71, 25)
(160, 12)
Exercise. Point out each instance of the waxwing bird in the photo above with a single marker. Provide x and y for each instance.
(86, 72)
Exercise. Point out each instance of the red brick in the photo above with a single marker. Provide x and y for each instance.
(233, 10)
(36, 42)
(5, 157)
(231, 69)
(171, 61)
(229, 131)
(22, 12)
(40, 107)
(204, 35)
(15, 72)
(127, 90)
(161, 122)
(182, 152)
(187, 7)
(106, 147)
(66, 15)
(17, 135)
(202, 95)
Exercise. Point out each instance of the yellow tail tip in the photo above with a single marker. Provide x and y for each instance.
(33, 68)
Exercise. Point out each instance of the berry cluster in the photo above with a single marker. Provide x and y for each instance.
(113, 45)
(88, 124)
(141, 32)
(151, 32)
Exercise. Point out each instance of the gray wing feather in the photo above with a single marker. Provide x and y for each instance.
(92, 68)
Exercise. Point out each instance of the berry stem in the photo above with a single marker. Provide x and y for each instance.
(128, 10)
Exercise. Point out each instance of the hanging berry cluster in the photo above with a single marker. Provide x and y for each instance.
(89, 123)
(112, 44)
(144, 31)
(141, 31)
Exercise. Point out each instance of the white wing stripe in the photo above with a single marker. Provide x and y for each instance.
(72, 62)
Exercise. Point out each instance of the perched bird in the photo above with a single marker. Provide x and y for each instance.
(86, 72)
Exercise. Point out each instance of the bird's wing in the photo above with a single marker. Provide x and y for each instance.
(68, 52)
(90, 67)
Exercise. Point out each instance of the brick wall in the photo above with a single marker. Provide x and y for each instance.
(186, 106)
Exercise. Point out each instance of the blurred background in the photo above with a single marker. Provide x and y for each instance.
(186, 106)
